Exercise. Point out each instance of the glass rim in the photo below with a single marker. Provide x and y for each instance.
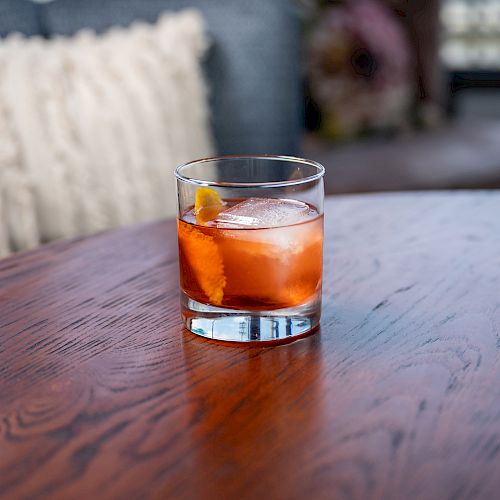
(292, 182)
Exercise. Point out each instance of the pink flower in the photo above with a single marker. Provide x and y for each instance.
(359, 65)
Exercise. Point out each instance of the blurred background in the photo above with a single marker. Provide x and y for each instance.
(411, 101)
(387, 94)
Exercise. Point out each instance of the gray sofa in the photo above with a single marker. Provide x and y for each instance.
(252, 68)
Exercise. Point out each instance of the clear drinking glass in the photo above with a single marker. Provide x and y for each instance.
(250, 246)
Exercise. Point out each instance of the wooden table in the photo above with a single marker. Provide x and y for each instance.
(104, 395)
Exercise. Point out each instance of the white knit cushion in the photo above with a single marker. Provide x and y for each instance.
(91, 127)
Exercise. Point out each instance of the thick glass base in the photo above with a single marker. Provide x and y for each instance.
(249, 326)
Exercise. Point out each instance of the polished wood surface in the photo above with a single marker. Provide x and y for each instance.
(104, 395)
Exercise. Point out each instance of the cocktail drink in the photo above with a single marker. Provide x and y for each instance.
(250, 266)
(258, 254)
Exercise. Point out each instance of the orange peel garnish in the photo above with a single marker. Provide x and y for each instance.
(207, 205)
(205, 261)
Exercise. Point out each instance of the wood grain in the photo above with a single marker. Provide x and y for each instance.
(104, 395)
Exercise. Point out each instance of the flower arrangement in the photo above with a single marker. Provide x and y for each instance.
(358, 68)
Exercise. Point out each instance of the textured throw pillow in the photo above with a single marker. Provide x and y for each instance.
(91, 127)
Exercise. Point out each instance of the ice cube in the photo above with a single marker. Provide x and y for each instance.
(278, 223)
(263, 213)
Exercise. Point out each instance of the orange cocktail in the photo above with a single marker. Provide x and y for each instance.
(241, 260)
(250, 247)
